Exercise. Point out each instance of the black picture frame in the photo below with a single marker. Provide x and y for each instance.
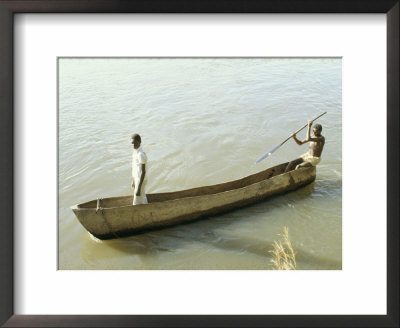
(10, 7)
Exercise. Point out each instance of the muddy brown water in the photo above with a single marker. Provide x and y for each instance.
(202, 121)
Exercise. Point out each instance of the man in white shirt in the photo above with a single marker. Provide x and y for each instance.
(139, 160)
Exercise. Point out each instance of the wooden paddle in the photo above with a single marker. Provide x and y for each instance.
(279, 145)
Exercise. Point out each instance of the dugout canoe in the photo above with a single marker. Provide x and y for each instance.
(116, 217)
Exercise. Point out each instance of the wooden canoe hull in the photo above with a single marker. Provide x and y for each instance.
(119, 218)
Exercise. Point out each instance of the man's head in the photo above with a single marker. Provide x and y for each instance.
(136, 140)
(317, 129)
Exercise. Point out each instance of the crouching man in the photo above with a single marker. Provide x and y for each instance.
(313, 156)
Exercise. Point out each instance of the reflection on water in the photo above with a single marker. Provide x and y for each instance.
(202, 121)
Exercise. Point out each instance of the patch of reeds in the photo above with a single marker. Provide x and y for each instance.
(283, 255)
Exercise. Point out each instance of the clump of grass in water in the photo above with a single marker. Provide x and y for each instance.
(283, 255)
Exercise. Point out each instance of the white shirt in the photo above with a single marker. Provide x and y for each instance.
(138, 158)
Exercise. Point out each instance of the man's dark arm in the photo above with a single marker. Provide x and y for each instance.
(309, 131)
(297, 140)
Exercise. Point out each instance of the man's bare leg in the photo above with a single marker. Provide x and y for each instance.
(304, 164)
(293, 164)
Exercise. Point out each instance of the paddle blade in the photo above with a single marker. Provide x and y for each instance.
(268, 153)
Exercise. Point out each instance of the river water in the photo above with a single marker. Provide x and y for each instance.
(203, 121)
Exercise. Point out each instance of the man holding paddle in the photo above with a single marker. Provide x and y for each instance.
(313, 156)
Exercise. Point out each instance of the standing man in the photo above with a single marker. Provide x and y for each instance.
(313, 156)
(139, 160)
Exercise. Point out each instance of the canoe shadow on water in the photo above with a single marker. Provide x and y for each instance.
(207, 231)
